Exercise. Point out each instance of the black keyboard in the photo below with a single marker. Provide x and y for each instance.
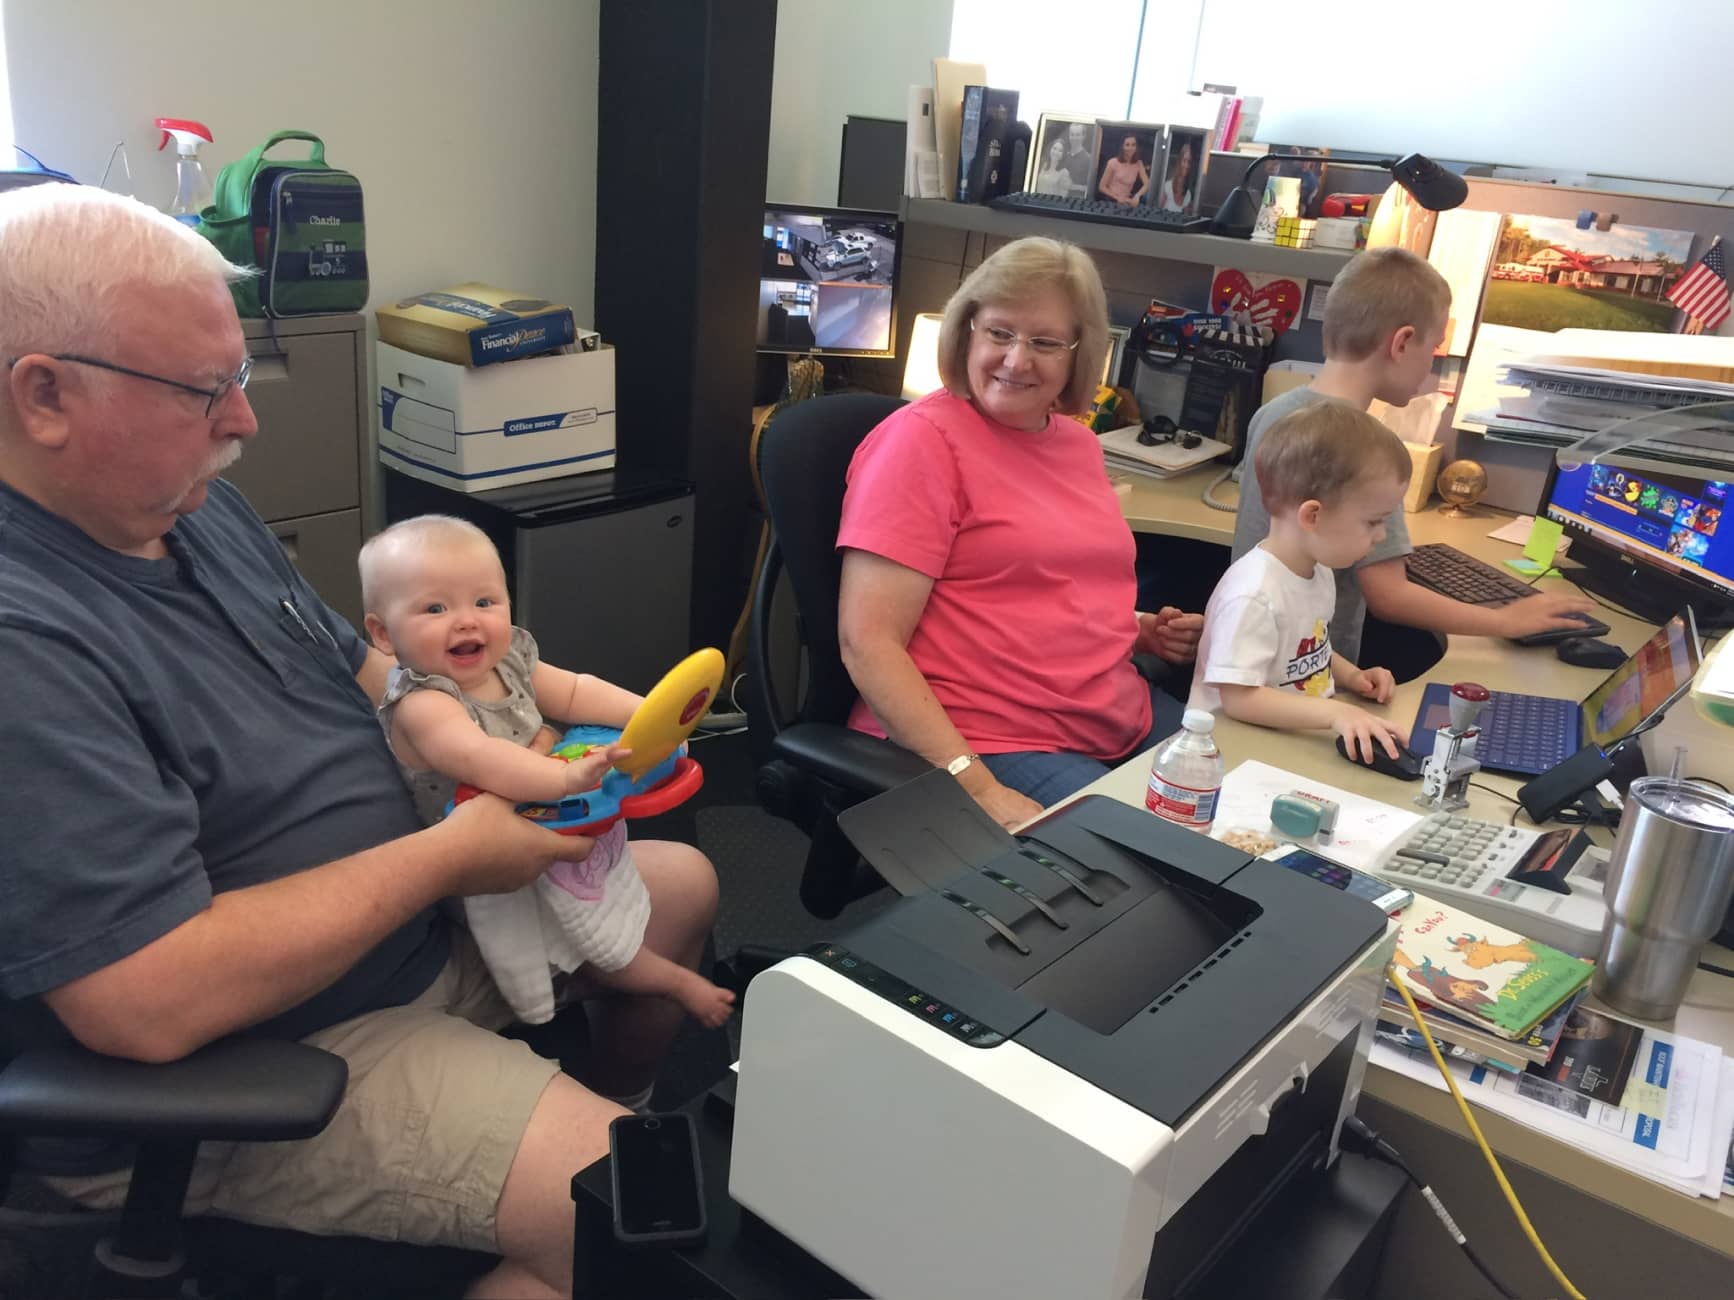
(1463, 577)
(1474, 582)
(1102, 210)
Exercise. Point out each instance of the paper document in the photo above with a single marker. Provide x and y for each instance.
(1672, 1125)
(1516, 531)
(1365, 827)
(1461, 251)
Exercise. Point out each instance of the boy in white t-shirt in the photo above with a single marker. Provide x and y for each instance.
(1329, 474)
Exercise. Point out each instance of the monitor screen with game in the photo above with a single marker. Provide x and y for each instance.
(1650, 540)
(828, 282)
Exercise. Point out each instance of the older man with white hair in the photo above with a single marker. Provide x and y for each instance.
(205, 831)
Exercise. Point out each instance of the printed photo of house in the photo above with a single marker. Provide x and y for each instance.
(1548, 274)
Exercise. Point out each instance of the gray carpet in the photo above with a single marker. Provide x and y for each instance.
(758, 862)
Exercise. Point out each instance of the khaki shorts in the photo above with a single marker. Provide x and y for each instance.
(421, 1143)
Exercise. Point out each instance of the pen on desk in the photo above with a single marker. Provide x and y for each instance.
(977, 910)
(1028, 895)
(1042, 860)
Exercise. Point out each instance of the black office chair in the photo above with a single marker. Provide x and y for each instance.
(236, 1089)
(812, 766)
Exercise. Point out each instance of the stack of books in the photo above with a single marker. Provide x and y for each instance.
(1487, 995)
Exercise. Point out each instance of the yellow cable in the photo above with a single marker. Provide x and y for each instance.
(1480, 1141)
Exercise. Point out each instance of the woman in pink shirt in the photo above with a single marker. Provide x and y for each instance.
(1125, 178)
(987, 609)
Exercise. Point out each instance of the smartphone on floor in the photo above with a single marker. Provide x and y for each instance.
(658, 1191)
(1383, 895)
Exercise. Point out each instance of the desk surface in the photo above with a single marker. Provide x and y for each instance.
(1172, 507)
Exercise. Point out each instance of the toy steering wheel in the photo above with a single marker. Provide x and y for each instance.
(656, 776)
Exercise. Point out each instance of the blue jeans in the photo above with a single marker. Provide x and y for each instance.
(1049, 777)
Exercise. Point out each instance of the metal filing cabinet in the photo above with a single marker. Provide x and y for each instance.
(306, 473)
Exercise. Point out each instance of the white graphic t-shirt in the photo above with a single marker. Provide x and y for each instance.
(1266, 625)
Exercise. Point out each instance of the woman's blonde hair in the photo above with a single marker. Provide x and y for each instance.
(1015, 274)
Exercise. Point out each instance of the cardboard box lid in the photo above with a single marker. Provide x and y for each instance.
(452, 324)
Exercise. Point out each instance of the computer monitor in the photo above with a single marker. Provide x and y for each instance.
(1649, 540)
(828, 281)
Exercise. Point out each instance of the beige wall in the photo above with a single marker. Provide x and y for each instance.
(834, 58)
(471, 126)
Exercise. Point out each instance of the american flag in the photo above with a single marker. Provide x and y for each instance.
(1703, 291)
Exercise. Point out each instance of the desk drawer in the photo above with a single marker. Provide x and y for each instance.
(323, 548)
(304, 460)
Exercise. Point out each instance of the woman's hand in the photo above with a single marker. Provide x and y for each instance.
(1005, 805)
(1169, 634)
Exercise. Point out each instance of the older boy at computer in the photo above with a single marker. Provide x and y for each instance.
(1385, 316)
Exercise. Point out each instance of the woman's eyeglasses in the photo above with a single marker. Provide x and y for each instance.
(1040, 344)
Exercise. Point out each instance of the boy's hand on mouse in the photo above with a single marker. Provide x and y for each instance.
(1361, 731)
(1542, 612)
(1376, 684)
(586, 772)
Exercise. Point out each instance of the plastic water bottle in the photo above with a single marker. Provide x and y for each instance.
(1186, 777)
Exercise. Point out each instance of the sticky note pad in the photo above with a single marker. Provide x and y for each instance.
(1539, 550)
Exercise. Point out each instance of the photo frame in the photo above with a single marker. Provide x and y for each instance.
(1117, 338)
(1131, 182)
(1184, 162)
(1073, 173)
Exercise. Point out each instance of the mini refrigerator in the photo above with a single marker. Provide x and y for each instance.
(599, 566)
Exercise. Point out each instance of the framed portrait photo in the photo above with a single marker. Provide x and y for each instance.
(1063, 158)
(1183, 174)
(1117, 336)
(1129, 163)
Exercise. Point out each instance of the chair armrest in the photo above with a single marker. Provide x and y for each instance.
(236, 1089)
(852, 759)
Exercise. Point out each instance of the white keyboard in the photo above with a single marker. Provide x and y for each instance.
(1496, 872)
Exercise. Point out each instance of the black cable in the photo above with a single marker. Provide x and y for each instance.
(1498, 794)
(1704, 780)
(1362, 1140)
(1623, 613)
(1716, 970)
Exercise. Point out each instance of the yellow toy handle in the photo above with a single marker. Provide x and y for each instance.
(669, 713)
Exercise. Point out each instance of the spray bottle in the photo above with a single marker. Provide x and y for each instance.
(192, 190)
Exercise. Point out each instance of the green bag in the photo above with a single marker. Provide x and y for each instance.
(300, 223)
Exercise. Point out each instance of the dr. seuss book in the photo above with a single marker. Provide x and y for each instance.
(1487, 974)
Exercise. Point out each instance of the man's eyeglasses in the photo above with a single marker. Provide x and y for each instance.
(1040, 344)
(211, 395)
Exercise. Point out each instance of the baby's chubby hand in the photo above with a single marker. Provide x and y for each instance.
(586, 772)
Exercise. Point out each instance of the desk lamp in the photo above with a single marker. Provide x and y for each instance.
(1434, 188)
(921, 365)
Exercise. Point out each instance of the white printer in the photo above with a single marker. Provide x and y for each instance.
(1075, 1063)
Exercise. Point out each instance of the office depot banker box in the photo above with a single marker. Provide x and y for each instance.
(474, 428)
(479, 325)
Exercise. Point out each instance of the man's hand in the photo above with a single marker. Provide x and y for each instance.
(1360, 731)
(496, 851)
(1542, 612)
(1169, 634)
(1375, 684)
(586, 773)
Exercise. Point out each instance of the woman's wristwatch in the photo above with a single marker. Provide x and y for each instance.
(961, 763)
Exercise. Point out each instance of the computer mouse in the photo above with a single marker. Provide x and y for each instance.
(1405, 767)
(1587, 652)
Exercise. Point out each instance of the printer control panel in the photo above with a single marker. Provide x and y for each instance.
(947, 1019)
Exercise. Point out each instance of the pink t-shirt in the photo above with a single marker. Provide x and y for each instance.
(1027, 637)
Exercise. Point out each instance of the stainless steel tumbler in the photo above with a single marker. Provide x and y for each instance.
(1668, 887)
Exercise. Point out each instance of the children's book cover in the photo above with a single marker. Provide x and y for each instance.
(1487, 974)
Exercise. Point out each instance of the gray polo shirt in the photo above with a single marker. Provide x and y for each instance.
(176, 728)
(1252, 526)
